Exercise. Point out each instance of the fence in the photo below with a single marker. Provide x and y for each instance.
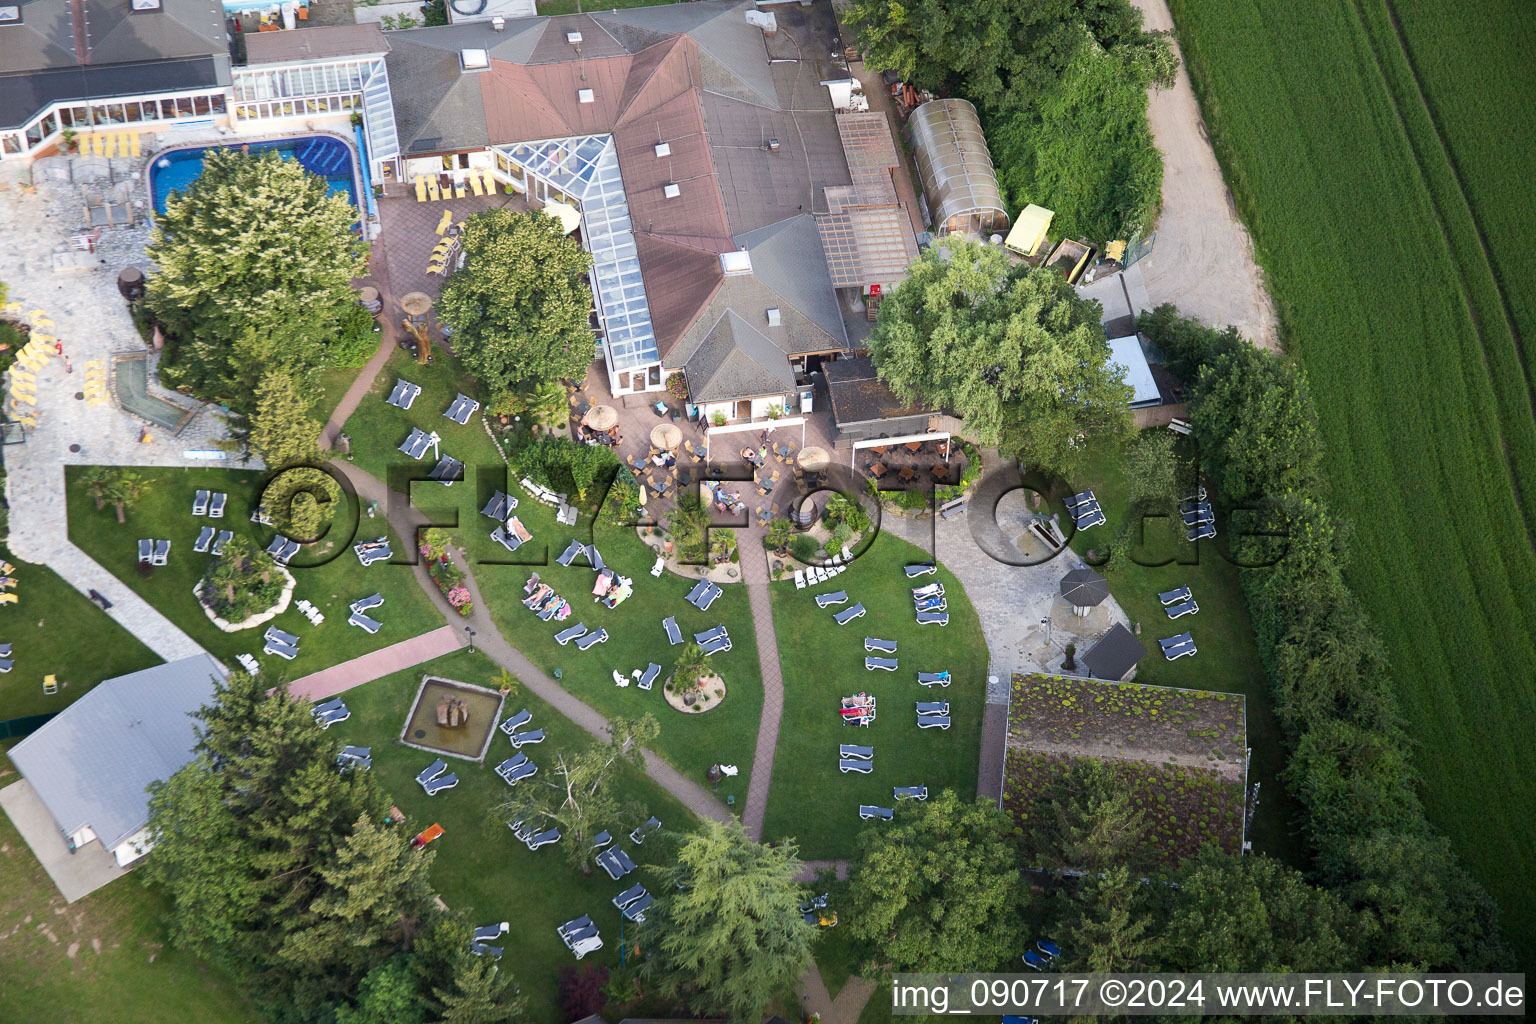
(15, 728)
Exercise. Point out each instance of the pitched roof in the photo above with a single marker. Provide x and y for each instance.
(1114, 655)
(789, 258)
(92, 763)
(180, 28)
(870, 150)
(859, 396)
(679, 281)
(437, 106)
(596, 41)
(732, 51)
(317, 43)
(735, 360)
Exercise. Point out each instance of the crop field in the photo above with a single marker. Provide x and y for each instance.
(1381, 180)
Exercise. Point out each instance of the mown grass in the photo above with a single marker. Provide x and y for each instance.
(44, 629)
(165, 512)
(1369, 246)
(104, 956)
(482, 869)
(823, 662)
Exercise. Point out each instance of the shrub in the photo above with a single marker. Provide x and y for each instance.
(241, 582)
(803, 548)
(302, 502)
(356, 340)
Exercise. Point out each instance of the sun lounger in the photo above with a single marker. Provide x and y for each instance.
(416, 444)
(162, 552)
(431, 771)
(933, 707)
(436, 786)
(510, 764)
(249, 663)
(500, 505)
(674, 634)
(364, 623)
(629, 896)
(6, 664)
(858, 765)
(709, 598)
(146, 550)
(615, 862)
(833, 599)
(933, 678)
(276, 547)
(933, 618)
(636, 911)
(204, 539)
(577, 941)
(329, 719)
(854, 750)
(403, 394)
(462, 408)
(515, 722)
(1175, 653)
(930, 604)
(911, 792)
(931, 590)
(512, 536)
(887, 664)
(590, 639)
(589, 944)
(1199, 516)
(327, 707)
(933, 721)
(595, 559)
(716, 646)
(1175, 596)
(200, 503)
(290, 548)
(602, 839)
(485, 949)
(549, 835)
(847, 615)
(1175, 641)
(447, 471)
(1205, 531)
(490, 932)
(364, 604)
(1176, 611)
(1035, 960)
(360, 756)
(216, 505)
(285, 651)
(1046, 946)
(868, 811)
(876, 644)
(921, 569)
(648, 677)
(709, 634)
(570, 633)
(570, 553)
(273, 633)
(574, 927)
(1078, 499)
(644, 829)
(224, 537)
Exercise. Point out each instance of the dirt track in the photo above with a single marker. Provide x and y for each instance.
(1203, 259)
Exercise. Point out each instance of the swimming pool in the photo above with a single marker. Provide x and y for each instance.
(324, 155)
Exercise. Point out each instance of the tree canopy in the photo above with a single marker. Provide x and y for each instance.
(282, 431)
(730, 937)
(940, 888)
(254, 264)
(1013, 351)
(519, 309)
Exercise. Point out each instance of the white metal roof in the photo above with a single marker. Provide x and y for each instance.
(1127, 353)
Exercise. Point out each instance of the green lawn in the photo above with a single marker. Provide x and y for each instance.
(550, 8)
(483, 870)
(1368, 151)
(823, 662)
(1228, 660)
(44, 629)
(166, 512)
(377, 428)
(104, 957)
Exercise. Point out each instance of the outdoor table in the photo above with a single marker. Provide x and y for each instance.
(877, 470)
(943, 447)
(906, 473)
(914, 446)
(878, 449)
(940, 472)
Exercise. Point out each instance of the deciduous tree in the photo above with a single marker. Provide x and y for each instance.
(519, 308)
(940, 888)
(282, 431)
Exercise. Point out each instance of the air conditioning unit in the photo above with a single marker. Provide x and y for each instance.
(774, 320)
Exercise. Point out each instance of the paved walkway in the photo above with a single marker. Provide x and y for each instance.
(405, 520)
(845, 1009)
(754, 572)
(377, 664)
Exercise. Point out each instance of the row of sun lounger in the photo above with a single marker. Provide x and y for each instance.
(447, 471)
(207, 543)
(634, 902)
(575, 549)
(499, 507)
(403, 394)
(580, 936)
(370, 551)
(283, 644)
(433, 780)
(583, 638)
(532, 838)
(816, 575)
(212, 506)
(713, 641)
(155, 552)
(516, 768)
(544, 602)
(310, 612)
(1176, 647)
(282, 549)
(331, 712)
(703, 594)
(355, 757)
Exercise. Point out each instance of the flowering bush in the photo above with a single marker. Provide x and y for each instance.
(449, 579)
(677, 384)
(459, 598)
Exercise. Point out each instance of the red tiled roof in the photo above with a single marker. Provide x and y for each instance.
(679, 282)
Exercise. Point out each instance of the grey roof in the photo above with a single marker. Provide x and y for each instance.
(735, 360)
(788, 257)
(92, 763)
(750, 298)
(437, 106)
(24, 93)
(315, 43)
(1114, 655)
(732, 54)
(859, 395)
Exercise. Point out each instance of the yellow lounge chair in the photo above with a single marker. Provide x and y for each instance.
(9, 599)
(7, 568)
(490, 182)
(442, 225)
(432, 190)
(23, 398)
(50, 683)
(459, 191)
(94, 364)
(13, 307)
(111, 143)
(133, 144)
(36, 313)
(95, 141)
(474, 184)
(96, 400)
(421, 189)
(21, 375)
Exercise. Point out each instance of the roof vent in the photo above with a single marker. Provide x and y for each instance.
(663, 149)
(573, 38)
(474, 60)
(734, 264)
(9, 15)
(499, 23)
(145, 5)
(586, 95)
(773, 317)
(671, 191)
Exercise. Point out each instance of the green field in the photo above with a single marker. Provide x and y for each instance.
(823, 662)
(1371, 175)
(43, 628)
(105, 955)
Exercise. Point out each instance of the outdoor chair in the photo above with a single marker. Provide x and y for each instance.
(648, 678)
(326, 708)
(249, 663)
(933, 707)
(851, 750)
(486, 933)
(921, 569)
(876, 644)
(515, 722)
(1176, 641)
(360, 756)
(333, 718)
(847, 615)
(499, 506)
(549, 835)
(644, 829)
(674, 635)
(1205, 531)
(1049, 948)
(716, 646)
(868, 811)
(364, 623)
(933, 678)
(602, 839)
(589, 944)
(5, 650)
(1175, 596)
(1199, 516)
(200, 503)
(216, 505)
(629, 896)
(162, 552)
(368, 603)
(859, 765)
(933, 721)
(1176, 611)
(225, 536)
(591, 639)
(571, 551)
(431, 771)
(447, 471)
(291, 548)
(933, 618)
(574, 927)
(436, 786)
(799, 579)
(911, 792)
(527, 738)
(6, 664)
(887, 664)
(570, 633)
(204, 539)
(636, 911)
(709, 598)
(484, 949)
(931, 590)
(282, 650)
(1175, 653)
(836, 597)
(273, 633)
(709, 634)
(1035, 960)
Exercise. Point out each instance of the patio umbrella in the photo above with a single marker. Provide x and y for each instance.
(416, 303)
(601, 417)
(666, 436)
(643, 497)
(814, 459)
(1083, 589)
(568, 216)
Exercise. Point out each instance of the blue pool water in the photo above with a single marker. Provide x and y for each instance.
(319, 154)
